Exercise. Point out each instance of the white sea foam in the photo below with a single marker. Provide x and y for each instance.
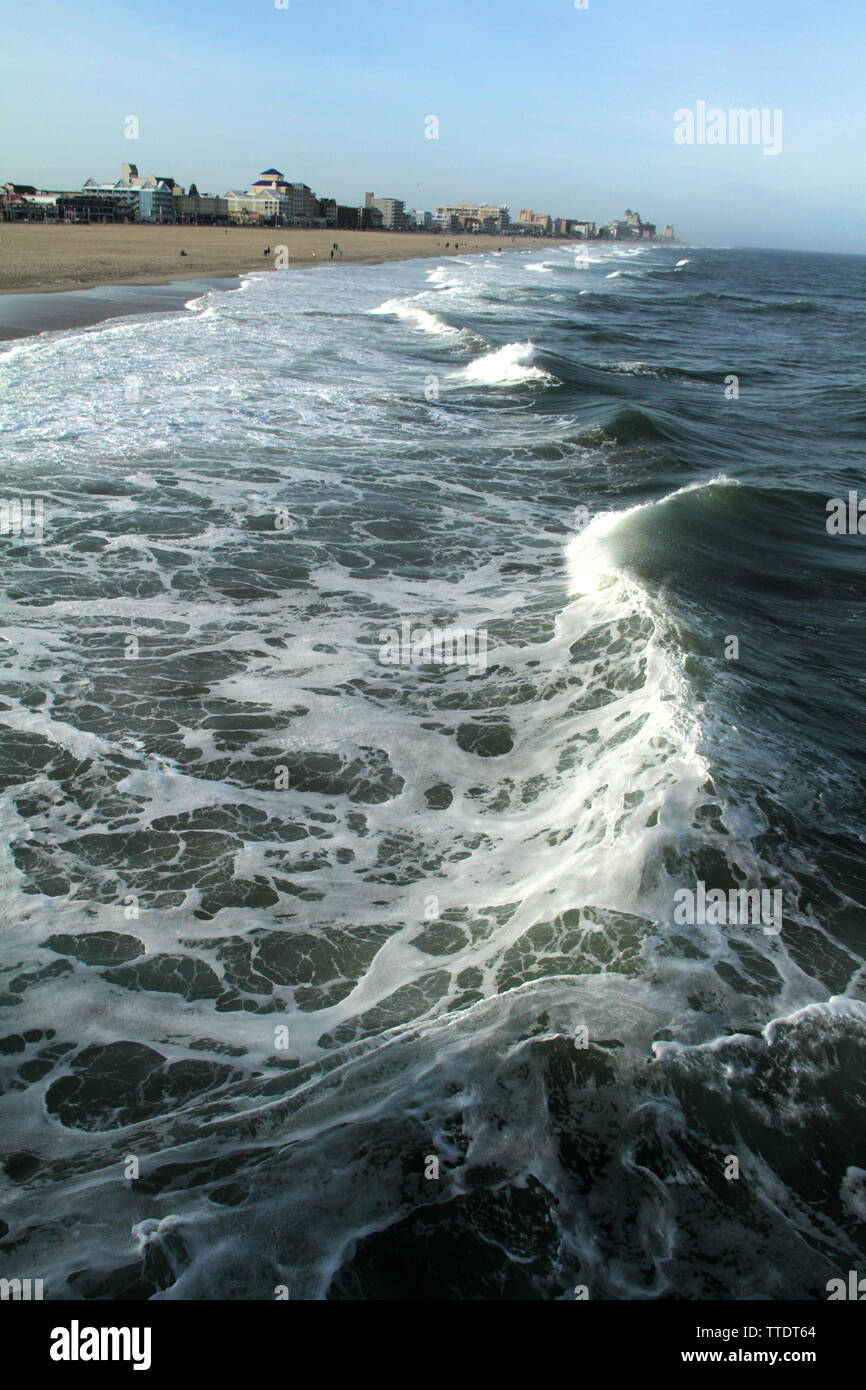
(548, 864)
(443, 277)
(413, 313)
(506, 366)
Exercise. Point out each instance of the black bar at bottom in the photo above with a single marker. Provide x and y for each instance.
(66, 1339)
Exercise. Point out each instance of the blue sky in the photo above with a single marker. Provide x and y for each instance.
(540, 104)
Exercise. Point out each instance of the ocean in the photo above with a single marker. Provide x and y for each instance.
(396, 663)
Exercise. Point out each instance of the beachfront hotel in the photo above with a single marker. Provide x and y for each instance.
(273, 198)
(130, 198)
(472, 217)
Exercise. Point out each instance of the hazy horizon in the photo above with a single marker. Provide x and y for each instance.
(568, 111)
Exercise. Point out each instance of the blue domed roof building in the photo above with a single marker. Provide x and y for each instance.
(270, 180)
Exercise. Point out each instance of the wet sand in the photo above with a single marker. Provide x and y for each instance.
(23, 315)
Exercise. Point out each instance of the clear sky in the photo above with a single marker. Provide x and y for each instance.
(540, 104)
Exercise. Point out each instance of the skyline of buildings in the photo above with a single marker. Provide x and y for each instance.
(273, 200)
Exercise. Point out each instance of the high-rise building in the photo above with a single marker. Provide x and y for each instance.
(538, 222)
(393, 211)
(303, 204)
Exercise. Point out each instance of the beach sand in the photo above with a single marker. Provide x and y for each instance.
(37, 258)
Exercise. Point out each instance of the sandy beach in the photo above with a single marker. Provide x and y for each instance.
(37, 258)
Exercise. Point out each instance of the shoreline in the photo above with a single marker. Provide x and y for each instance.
(27, 315)
(55, 277)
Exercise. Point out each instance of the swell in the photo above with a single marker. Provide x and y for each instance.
(463, 868)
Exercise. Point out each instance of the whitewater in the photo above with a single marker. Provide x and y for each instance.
(312, 962)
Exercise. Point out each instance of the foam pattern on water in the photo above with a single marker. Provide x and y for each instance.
(430, 876)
